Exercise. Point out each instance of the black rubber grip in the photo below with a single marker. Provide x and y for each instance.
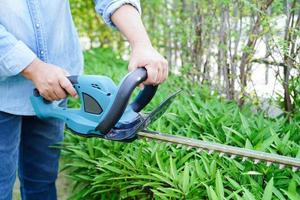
(143, 98)
(122, 97)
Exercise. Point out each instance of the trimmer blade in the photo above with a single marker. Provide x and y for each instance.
(151, 117)
(160, 110)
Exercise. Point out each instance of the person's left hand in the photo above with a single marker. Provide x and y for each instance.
(155, 64)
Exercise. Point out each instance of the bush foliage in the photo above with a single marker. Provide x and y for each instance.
(150, 170)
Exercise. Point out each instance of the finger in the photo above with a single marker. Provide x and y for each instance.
(165, 70)
(60, 92)
(164, 74)
(53, 93)
(67, 86)
(47, 94)
(142, 86)
(152, 74)
(160, 77)
(55, 96)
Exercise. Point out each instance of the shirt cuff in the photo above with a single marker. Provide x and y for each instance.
(116, 4)
(16, 59)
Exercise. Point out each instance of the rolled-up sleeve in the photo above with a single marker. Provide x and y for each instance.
(14, 54)
(107, 7)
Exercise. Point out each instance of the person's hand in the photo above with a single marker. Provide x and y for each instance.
(155, 64)
(50, 80)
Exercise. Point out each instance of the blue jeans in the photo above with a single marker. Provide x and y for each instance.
(25, 145)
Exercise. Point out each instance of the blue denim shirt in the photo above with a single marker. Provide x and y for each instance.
(44, 29)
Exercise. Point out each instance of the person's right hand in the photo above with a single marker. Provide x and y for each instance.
(50, 80)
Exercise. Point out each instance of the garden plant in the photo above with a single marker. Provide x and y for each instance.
(143, 169)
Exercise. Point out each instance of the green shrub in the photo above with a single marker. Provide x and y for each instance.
(150, 170)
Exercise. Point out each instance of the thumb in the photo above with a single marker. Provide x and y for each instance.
(142, 86)
(132, 65)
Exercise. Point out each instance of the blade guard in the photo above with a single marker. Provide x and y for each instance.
(104, 106)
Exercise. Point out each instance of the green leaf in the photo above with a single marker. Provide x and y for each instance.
(266, 144)
(248, 144)
(219, 185)
(213, 168)
(135, 193)
(245, 124)
(278, 194)
(235, 184)
(163, 179)
(173, 169)
(171, 192)
(213, 195)
(230, 130)
(248, 195)
(252, 173)
(186, 178)
(292, 186)
(292, 195)
(113, 169)
(90, 146)
(268, 191)
(159, 162)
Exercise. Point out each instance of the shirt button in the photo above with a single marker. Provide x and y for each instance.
(42, 52)
(37, 25)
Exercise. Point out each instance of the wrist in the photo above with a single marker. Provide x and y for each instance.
(142, 44)
(31, 68)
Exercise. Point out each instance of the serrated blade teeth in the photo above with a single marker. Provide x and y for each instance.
(199, 150)
(256, 161)
(295, 169)
(230, 152)
(281, 166)
(269, 163)
(189, 148)
(210, 151)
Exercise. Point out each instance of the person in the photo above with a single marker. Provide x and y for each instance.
(39, 47)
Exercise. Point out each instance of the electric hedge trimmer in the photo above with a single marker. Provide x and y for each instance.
(105, 113)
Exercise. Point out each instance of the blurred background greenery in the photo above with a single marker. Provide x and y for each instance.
(245, 49)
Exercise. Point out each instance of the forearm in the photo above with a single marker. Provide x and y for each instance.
(128, 21)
